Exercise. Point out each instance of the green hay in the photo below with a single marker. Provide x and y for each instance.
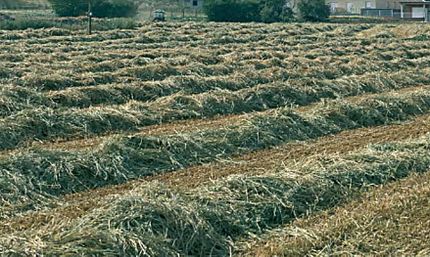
(48, 123)
(14, 99)
(50, 82)
(303, 64)
(112, 57)
(56, 172)
(152, 220)
(149, 91)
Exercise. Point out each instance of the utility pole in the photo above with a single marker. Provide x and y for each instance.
(90, 16)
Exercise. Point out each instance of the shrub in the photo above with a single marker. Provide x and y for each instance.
(276, 11)
(101, 8)
(232, 10)
(115, 8)
(69, 7)
(313, 10)
(248, 10)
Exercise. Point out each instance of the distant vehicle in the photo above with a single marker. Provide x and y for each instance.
(159, 15)
(5, 17)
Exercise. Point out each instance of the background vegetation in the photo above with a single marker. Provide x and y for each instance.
(313, 10)
(100, 8)
(265, 11)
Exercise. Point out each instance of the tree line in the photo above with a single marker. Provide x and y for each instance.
(216, 10)
(100, 8)
(266, 10)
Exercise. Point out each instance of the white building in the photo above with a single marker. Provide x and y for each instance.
(192, 3)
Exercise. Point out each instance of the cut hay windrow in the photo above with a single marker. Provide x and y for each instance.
(13, 99)
(161, 31)
(94, 93)
(35, 173)
(380, 222)
(47, 123)
(147, 91)
(106, 48)
(121, 93)
(154, 220)
(161, 68)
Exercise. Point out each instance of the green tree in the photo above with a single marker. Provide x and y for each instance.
(116, 8)
(69, 7)
(276, 11)
(101, 8)
(232, 10)
(313, 10)
(248, 10)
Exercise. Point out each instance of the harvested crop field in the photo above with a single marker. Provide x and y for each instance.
(205, 139)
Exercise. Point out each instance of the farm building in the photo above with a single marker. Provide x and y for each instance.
(415, 9)
(355, 6)
(408, 9)
(193, 3)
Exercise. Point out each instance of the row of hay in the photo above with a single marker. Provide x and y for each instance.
(16, 98)
(34, 174)
(124, 51)
(63, 79)
(159, 33)
(149, 91)
(329, 68)
(48, 123)
(120, 93)
(154, 220)
(154, 75)
(391, 220)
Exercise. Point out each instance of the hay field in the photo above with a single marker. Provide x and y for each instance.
(204, 139)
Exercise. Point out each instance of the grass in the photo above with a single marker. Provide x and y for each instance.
(38, 19)
(79, 24)
(23, 4)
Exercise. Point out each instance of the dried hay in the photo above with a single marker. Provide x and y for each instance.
(57, 172)
(156, 221)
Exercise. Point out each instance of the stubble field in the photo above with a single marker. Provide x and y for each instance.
(204, 139)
